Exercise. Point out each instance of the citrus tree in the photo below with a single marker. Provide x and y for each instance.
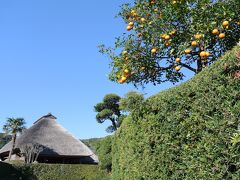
(164, 36)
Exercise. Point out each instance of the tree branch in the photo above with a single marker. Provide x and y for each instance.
(188, 67)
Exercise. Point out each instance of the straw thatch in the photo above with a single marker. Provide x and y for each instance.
(56, 140)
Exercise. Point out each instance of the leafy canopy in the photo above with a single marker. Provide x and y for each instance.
(14, 125)
(108, 109)
(131, 101)
(165, 36)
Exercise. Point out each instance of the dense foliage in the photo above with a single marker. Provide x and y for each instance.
(51, 172)
(103, 148)
(165, 36)
(131, 100)
(108, 109)
(191, 131)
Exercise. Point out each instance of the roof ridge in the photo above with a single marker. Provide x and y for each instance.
(49, 115)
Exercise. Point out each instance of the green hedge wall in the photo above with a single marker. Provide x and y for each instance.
(51, 172)
(103, 148)
(186, 132)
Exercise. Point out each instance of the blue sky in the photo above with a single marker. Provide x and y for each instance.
(49, 61)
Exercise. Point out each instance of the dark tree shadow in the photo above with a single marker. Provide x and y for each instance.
(10, 172)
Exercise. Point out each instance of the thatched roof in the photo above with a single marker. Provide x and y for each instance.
(56, 140)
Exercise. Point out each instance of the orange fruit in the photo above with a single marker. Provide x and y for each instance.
(168, 44)
(126, 71)
(202, 54)
(207, 54)
(129, 28)
(215, 31)
(133, 11)
(226, 27)
(154, 50)
(167, 37)
(194, 43)
(131, 24)
(178, 60)
(120, 81)
(225, 23)
(187, 51)
(198, 36)
(123, 78)
(177, 68)
(142, 20)
(173, 32)
(152, 2)
(221, 35)
(163, 36)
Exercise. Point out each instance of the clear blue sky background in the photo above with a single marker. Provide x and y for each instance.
(49, 61)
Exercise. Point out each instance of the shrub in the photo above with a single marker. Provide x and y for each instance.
(103, 148)
(186, 132)
(52, 172)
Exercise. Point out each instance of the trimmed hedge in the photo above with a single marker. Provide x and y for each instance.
(186, 132)
(103, 148)
(51, 172)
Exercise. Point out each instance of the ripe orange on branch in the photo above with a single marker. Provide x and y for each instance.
(222, 36)
(163, 36)
(168, 44)
(129, 28)
(207, 54)
(178, 60)
(187, 51)
(198, 36)
(194, 43)
(225, 23)
(173, 32)
(202, 54)
(126, 71)
(166, 37)
(215, 31)
(131, 24)
(153, 50)
(123, 78)
(177, 68)
(142, 20)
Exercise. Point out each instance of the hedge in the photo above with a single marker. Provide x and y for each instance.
(186, 132)
(103, 148)
(51, 172)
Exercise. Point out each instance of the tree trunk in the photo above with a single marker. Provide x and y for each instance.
(114, 124)
(14, 136)
(199, 65)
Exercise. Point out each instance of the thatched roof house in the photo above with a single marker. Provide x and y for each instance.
(59, 145)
